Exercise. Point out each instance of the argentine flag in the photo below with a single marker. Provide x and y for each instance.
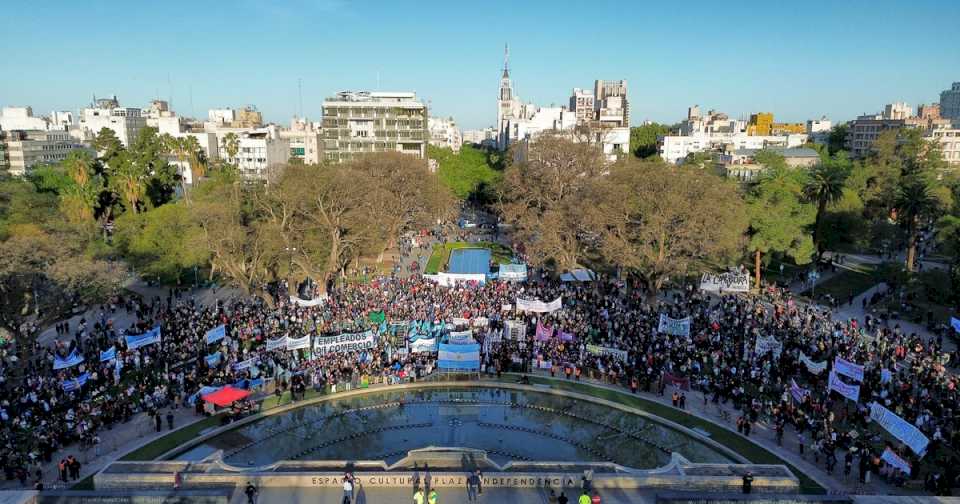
(459, 357)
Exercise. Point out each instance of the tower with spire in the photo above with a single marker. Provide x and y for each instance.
(507, 104)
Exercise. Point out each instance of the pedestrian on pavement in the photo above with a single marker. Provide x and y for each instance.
(251, 492)
(584, 498)
(433, 497)
(563, 498)
(747, 482)
(347, 491)
(418, 496)
(473, 481)
(158, 421)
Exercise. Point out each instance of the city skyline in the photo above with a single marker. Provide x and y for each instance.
(798, 62)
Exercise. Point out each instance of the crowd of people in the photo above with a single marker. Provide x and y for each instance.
(607, 329)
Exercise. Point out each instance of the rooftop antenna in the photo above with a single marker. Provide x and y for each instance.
(300, 94)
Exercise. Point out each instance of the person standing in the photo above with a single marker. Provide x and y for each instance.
(584, 498)
(747, 482)
(433, 497)
(347, 491)
(158, 422)
(563, 498)
(170, 420)
(418, 497)
(473, 481)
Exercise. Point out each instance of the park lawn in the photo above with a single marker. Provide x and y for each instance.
(753, 452)
(441, 254)
(845, 282)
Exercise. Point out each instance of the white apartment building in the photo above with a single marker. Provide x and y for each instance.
(306, 140)
(259, 156)
(444, 133)
(582, 104)
(485, 136)
(949, 140)
(26, 149)
(126, 122)
(675, 148)
(21, 118)
(356, 123)
(713, 122)
(898, 110)
(822, 125)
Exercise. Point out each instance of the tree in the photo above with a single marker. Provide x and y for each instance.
(468, 174)
(837, 139)
(401, 194)
(825, 186)
(231, 146)
(698, 160)
(779, 219)
(663, 222)
(542, 195)
(915, 203)
(107, 144)
(163, 242)
(127, 178)
(643, 139)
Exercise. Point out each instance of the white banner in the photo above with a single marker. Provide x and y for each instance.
(851, 392)
(768, 344)
(298, 343)
(537, 306)
(848, 369)
(599, 350)
(514, 330)
(676, 327)
(275, 344)
(457, 321)
(461, 338)
(308, 302)
(899, 428)
(814, 367)
(896, 461)
(341, 343)
(244, 364)
(480, 322)
(423, 345)
(797, 391)
(730, 281)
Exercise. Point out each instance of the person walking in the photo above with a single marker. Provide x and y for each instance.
(170, 420)
(418, 497)
(347, 491)
(584, 498)
(433, 497)
(251, 492)
(563, 498)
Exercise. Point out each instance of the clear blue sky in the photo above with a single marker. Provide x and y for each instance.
(796, 59)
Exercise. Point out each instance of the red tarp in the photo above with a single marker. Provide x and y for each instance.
(226, 396)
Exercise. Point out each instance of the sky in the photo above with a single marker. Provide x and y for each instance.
(799, 60)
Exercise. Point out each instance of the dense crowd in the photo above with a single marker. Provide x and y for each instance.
(719, 358)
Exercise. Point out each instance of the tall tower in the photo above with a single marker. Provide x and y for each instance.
(505, 102)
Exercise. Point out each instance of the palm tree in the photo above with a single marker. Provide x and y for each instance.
(128, 180)
(195, 157)
(915, 202)
(231, 143)
(825, 186)
(79, 166)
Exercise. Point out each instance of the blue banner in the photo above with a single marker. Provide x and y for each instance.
(459, 357)
(141, 340)
(71, 360)
(108, 355)
(213, 359)
(216, 334)
(75, 383)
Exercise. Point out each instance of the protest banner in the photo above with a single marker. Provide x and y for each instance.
(75, 383)
(600, 350)
(377, 317)
(298, 343)
(69, 361)
(565, 336)
(342, 343)
(543, 333)
(514, 330)
(423, 345)
(537, 306)
(899, 428)
(108, 355)
(216, 334)
(308, 302)
(675, 327)
(240, 366)
(213, 359)
(797, 391)
(460, 337)
(545, 364)
(813, 367)
(459, 322)
(277, 344)
(731, 281)
(141, 340)
(768, 344)
(848, 369)
(896, 461)
(851, 392)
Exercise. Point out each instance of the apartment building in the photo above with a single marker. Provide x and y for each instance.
(362, 122)
(25, 150)
(125, 122)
